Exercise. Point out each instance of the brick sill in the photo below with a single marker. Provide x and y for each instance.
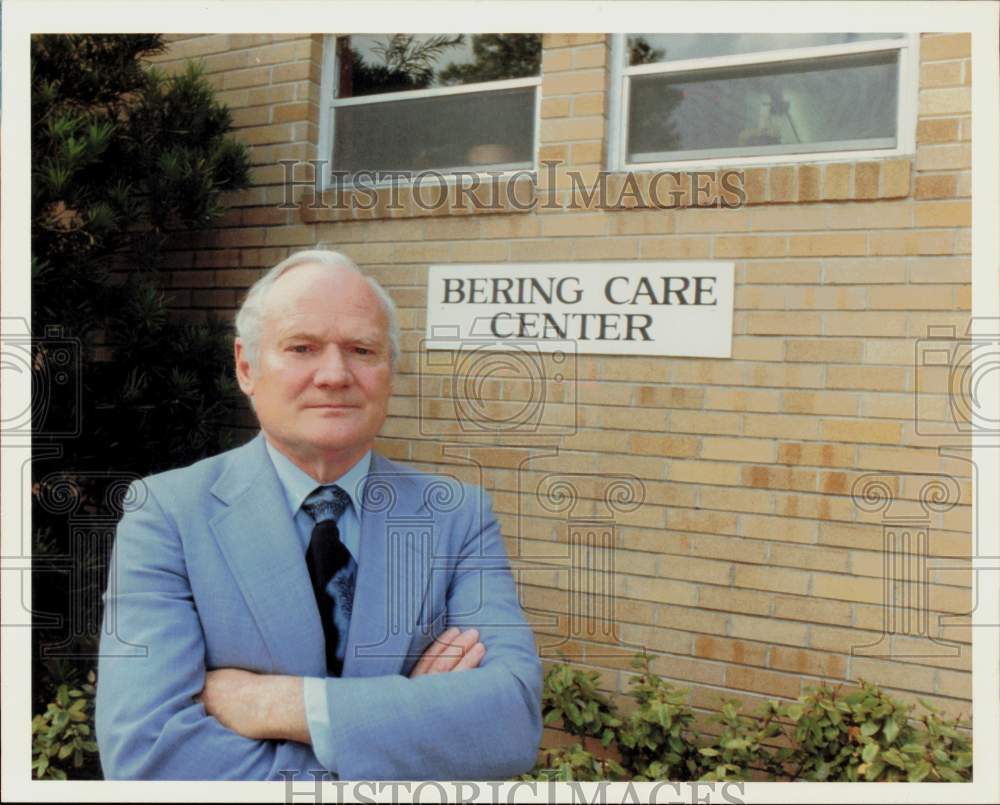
(779, 184)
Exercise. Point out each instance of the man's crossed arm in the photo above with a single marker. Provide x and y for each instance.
(272, 706)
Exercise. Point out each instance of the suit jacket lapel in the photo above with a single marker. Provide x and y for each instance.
(394, 571)
(259, 542)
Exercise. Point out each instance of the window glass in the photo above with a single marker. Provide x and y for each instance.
(467, 130)
(371, 64)
(652, 48)
(835, 103)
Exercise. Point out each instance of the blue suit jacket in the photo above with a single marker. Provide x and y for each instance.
(208, 572)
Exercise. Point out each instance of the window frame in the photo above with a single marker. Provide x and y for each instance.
(452, 174)
(908, 46)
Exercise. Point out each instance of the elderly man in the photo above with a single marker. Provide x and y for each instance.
(301, 603)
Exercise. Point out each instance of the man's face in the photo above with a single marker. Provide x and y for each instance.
(323, 377)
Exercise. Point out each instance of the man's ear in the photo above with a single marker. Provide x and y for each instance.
(244, 372)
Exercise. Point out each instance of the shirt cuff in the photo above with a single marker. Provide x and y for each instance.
(318, 719)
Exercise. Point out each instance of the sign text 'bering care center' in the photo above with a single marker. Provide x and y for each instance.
(679, 308)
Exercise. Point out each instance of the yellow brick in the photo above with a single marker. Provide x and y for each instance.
(674, 248)
(574, 225)
(755, 185)
(297, 71)
(775, 323)
(585, 57)
(832, 245)
(664, 591)
(912, 243)
(607, 249)
(937, 130)
(947, 74)
(641, 222)
(664, 445)
(780, 529)
(810, 558)
(723, 449)
(572, 129)
(781, 184)
(801, 661)
(895, 352)
(937, 213)
(798, 608)
(836, 403)
(954, 683)
(944, 157)
(784, 272)
(771, 578)
(819, 455)
(695, 220)
(571, 83)
(782, 427)
(846, 587)
(866, 432)
(951, 101)
(755, 501)
(798, 376)
(702, 422)
(896, 673)
(896, 178)
(709, 522)
(740, 652)
(862, 271)
(746, 348)
(874, 378)
(866, 180)
(750, 246)
(938, 47)
(704, 472)
(824, 351)
(837, 181)
(479, 252)
(555, 107)
(757, 297)
(252, 77)
(586, 153)
(528, 250)
(878, 215)
(762, 477)
(927, 297)
(810, 298)
(788, 218)
(768, 630)
(555, 61)
(741, 399)
(809, 183)
(569, 40)
(936, 185)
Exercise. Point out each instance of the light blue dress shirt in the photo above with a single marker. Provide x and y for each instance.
(298, 485)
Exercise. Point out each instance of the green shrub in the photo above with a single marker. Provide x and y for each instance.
(865, 735)
(61, 736)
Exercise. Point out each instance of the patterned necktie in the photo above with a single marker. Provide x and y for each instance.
(325, 557)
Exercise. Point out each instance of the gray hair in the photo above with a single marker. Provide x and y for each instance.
(250, 316)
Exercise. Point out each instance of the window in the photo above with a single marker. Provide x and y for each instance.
(686, 99)
(413, 102)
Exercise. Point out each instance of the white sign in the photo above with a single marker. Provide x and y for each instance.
(682, 308)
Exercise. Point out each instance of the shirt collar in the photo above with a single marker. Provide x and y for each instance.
(298, 484)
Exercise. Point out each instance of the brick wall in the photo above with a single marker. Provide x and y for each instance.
(748, 570)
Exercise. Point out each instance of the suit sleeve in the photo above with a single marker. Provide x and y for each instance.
(152, 665)
(482, 724)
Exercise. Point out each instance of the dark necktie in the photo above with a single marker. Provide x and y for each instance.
(325, 557)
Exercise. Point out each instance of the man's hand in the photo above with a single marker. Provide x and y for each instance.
(258, 706)
(452, 651)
